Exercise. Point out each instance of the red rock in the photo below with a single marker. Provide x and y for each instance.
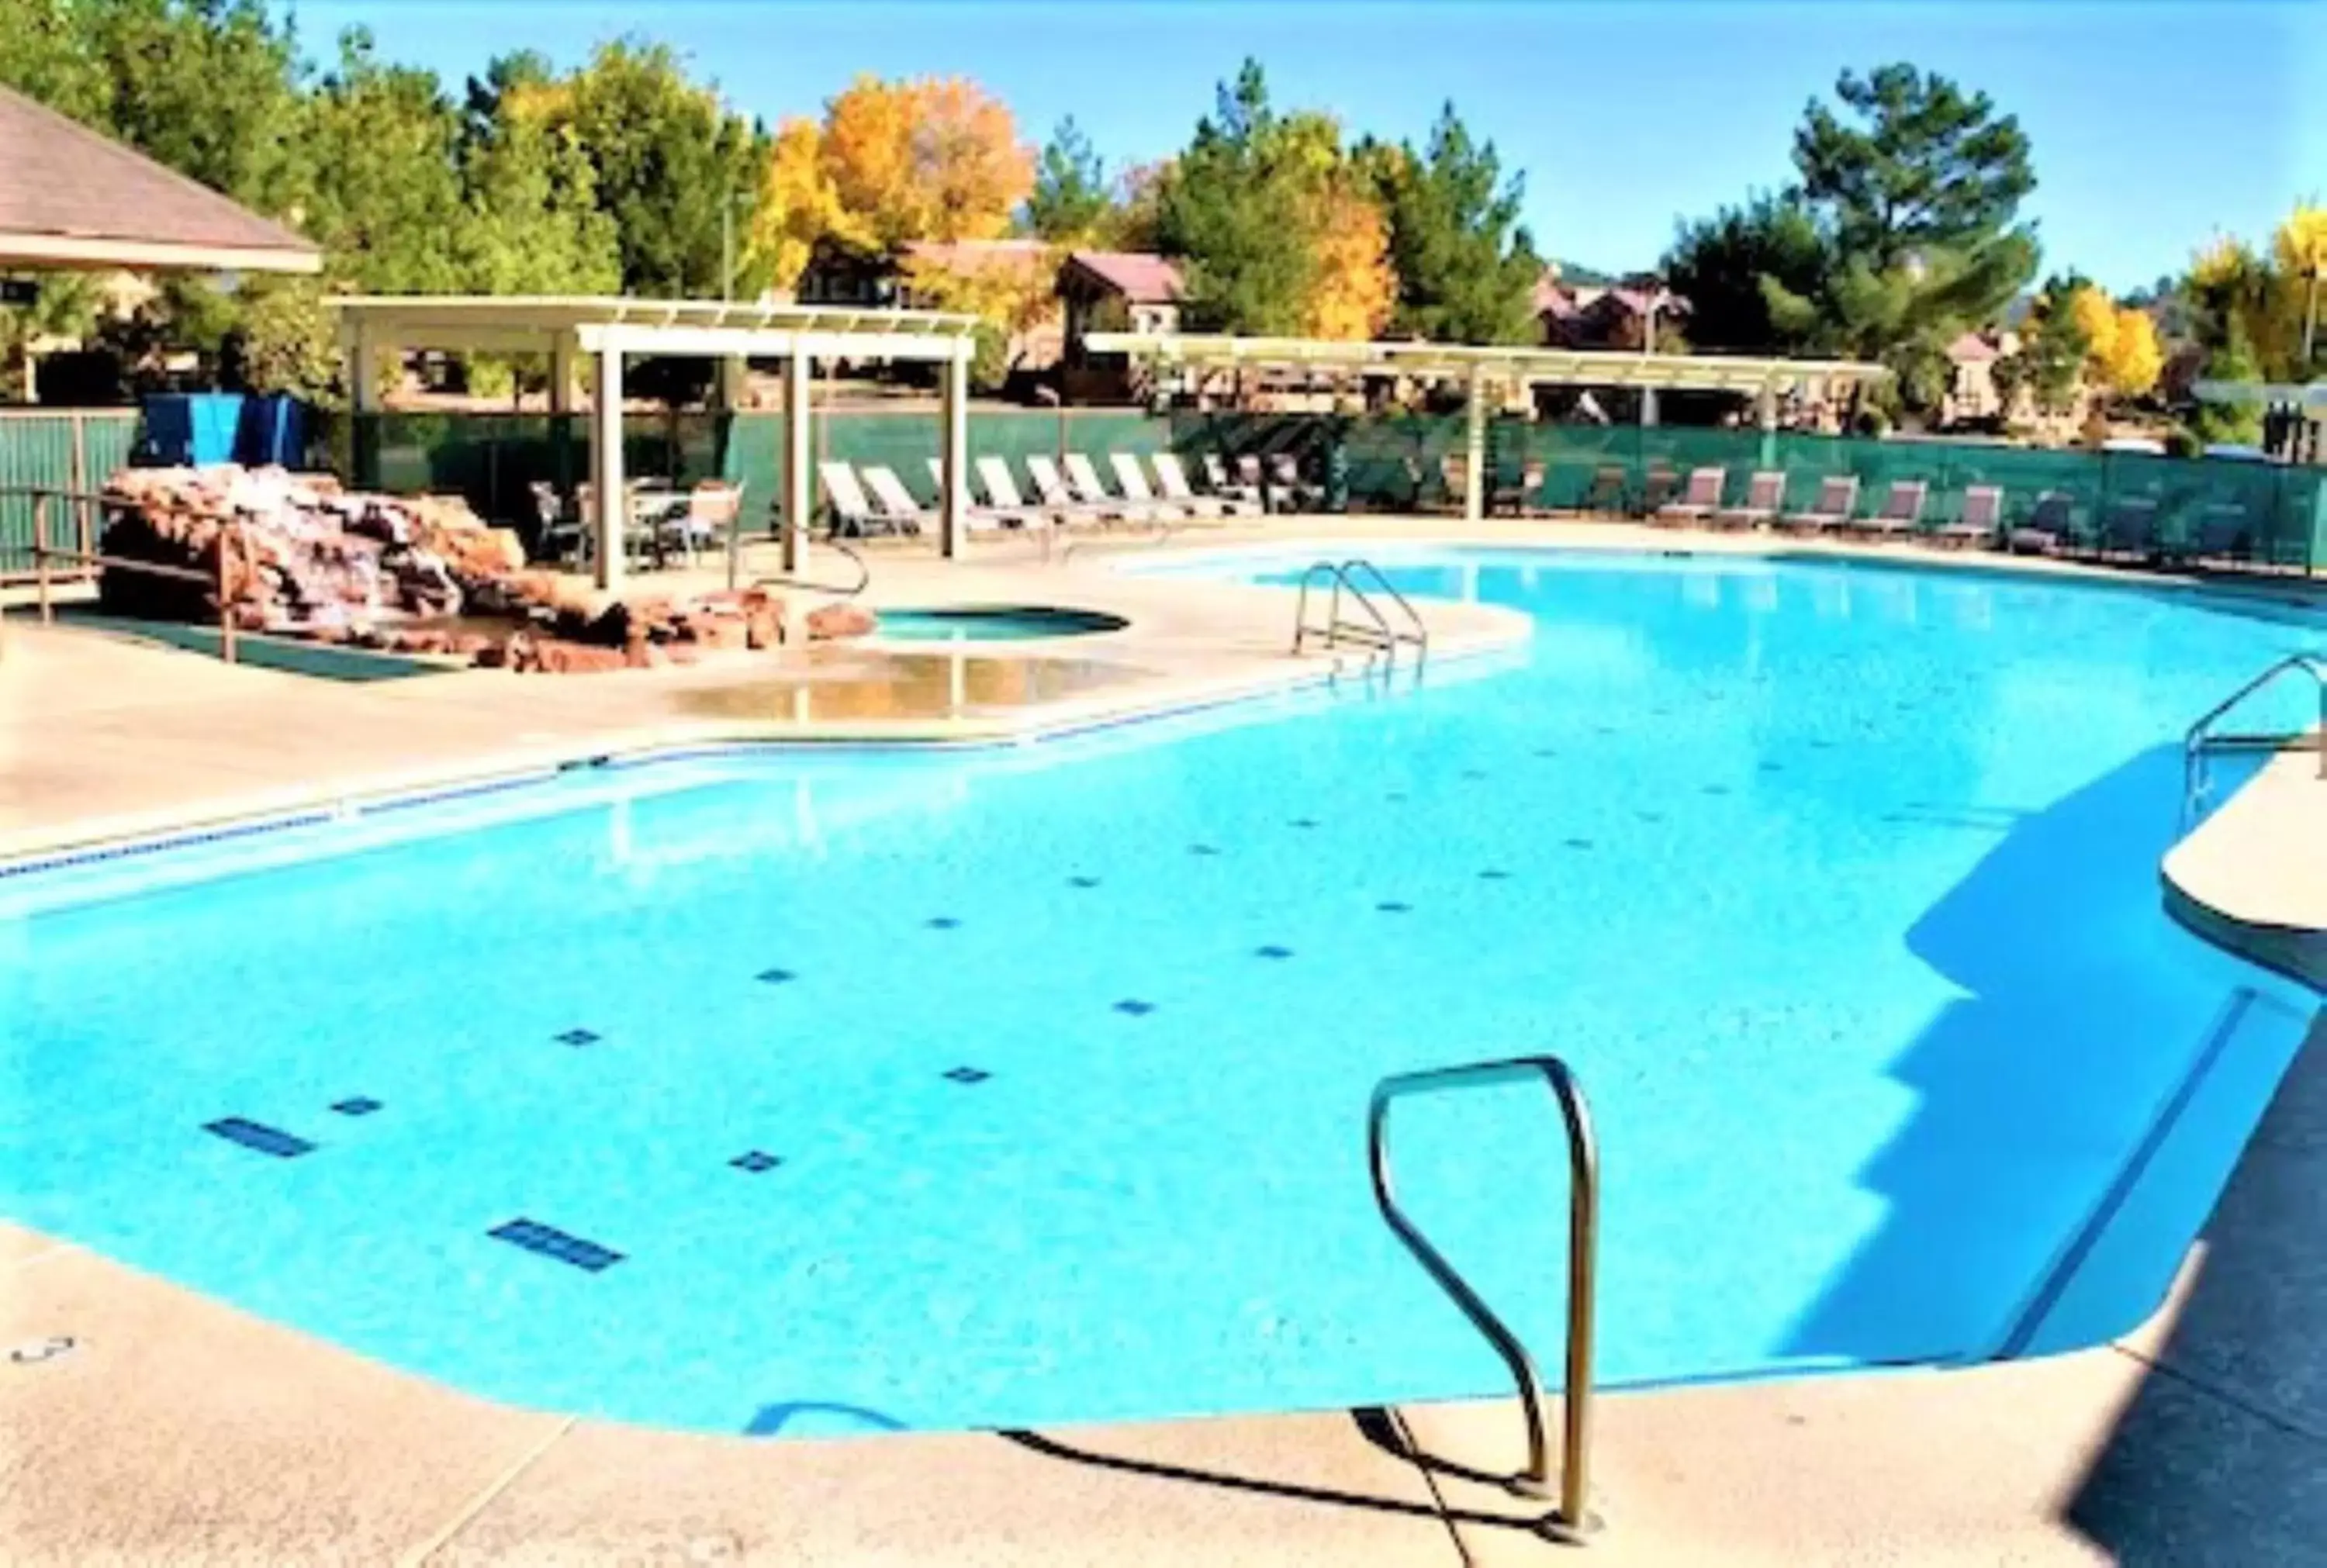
(644, 655)
(827, 621)
(720, 631)
(493, 655)
(683, 653)
(762, 629)
(556, 657)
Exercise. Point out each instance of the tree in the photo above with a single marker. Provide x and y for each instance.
(1223, 209)
(1009, 293)
(1466, 269)
(1719, 264)
(533, 224)
(1070, 199)
(386, 205)
(1355, 287)
(2267, 294)
(2232, 423)
(933, 159)
(2054, 348)
(673, 167)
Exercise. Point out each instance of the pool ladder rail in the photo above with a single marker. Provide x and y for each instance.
(2202, 740)
(1362, 584)
(1572, 1519)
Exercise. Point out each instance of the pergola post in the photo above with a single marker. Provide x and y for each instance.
(363, 400)
(799, 456)
(1474, 451)
(562, 351)
(609, 501)
(733, 371)
(953, 504)
(1765, 419)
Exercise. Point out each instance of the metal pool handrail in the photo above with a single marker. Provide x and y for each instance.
(229, 548)
(1420, 634)
(1582, 1243)
(1380, 637)
(850, 591)
(2201, 738)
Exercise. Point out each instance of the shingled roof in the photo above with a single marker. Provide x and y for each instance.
(72, 197)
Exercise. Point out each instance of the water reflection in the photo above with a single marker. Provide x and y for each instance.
(859, 684)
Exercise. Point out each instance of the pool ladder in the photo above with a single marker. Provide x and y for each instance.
(2203, 741)
(1572, 1519)
(1359, 581)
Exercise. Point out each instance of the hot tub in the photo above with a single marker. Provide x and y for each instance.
(992, 624)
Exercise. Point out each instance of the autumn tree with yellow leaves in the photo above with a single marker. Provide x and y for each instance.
(2122, 353)
(2263, 298)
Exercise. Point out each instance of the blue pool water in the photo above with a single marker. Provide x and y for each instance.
(811, 1092)
(993, 623)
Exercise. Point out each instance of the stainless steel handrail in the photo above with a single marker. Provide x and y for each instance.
(2196, 780)
(863, 575)
(1582, 1243)
(1380, 637)
(1420, 634)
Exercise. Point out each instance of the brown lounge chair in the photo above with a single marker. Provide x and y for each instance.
(1699, 501)
(1903, 511)
(1765, 497)
(1837, 498)
(1981, 520)
(1607, 491)
(1662, 484)
(2049, 526)
(1516, 494)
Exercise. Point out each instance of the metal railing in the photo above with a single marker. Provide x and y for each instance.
(839, 590)
(1375, 633)
(2201, 740)
(1582, 1243)
(85, 505)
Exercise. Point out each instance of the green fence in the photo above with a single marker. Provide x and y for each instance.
(1395, 462)
(69, 449)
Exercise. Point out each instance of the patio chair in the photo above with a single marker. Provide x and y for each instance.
(2051, 525)
(1982, 519)
(1699, 501)
(1132, 480)
(1173, 479)
(1902, 513)
(1516, 491)
(894, 504)
(555, 534)
(1055, 493)
(1662, 484)
(1608, 491)
(641, 538)
(1285, 477)
(1837, 498)
(1224, 483)
(1085, 485)
(714, 507)
(1454, 479)
(2226, 532)
(852, 513)
(1004, 500)
(1765, 497)
(2129, 528)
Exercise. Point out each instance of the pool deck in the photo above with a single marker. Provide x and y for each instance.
(180, 1430)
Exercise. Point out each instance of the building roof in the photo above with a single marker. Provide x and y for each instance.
(72, 197)
(1141, 278)
(533, 323)
(1971, 349)
(977, 256)
(1563, 302)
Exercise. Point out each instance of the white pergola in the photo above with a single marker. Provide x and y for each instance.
(1485, 369)
(606, 331)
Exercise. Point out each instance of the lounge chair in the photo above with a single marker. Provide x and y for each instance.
(1903, 511)
(1055, 493)
(1837, 498)
(1004, 500)
(852, 513)
(1285, 477)
(1607, 493)
(1132, 480)
(894, 504)
(1765, 497)
(2049, 526)
(1085, 485)
(1178, 491)
(1224, 483)
(2129, 528)
(1516, 491)
(1662, 484)
(979, 519)
(1699, 501)
(2226, 532)
(1982, 519)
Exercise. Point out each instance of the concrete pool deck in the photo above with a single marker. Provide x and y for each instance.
(178, 1429)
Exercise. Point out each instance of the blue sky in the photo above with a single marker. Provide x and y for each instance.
(2154, 124)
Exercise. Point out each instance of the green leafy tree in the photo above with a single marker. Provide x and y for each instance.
(2234, 360)
(533, 224)
(1222, 207)
(1718, 265)
(1071, 202)
(387, 204)
(2053, 347)
(1466, 268)
(672, 164)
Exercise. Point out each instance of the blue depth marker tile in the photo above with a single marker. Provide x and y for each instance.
(258, 1136)
(1303, 822)
(967, 1075)
(550, 1241)
(1394, 906)
(1579, 844)
(1272, 951)
(577, 1037)
(1134, 1008)
(1202, 849)
(1494, 874)
(756, 1162)
(942, 922)
(358, 1105)
(1082, 882)
(775, 976)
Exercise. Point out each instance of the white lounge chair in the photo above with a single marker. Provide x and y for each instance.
(852, 513)
(1982, 520)
(1224, 483)
(982, 519)
(1133, 480)
(1054, 494)
(1901, 514)
(1083, 481)
(1002, 496)
(714, 507)
(1837, 498)
(1765, 497)
(894, 504)
(1173, 479)
(1699, 501)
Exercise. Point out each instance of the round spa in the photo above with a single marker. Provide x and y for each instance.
(992, 624)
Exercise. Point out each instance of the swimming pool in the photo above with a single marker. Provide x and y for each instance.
(1836, 886)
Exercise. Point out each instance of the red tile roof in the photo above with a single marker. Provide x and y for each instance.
(1142, 279)
(975, 256)
(62, 181)
(1971, 349)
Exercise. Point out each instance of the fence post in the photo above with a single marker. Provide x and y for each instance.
(40, 557)
(225, 602)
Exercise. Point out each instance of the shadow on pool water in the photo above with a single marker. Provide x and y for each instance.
(861, 684)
